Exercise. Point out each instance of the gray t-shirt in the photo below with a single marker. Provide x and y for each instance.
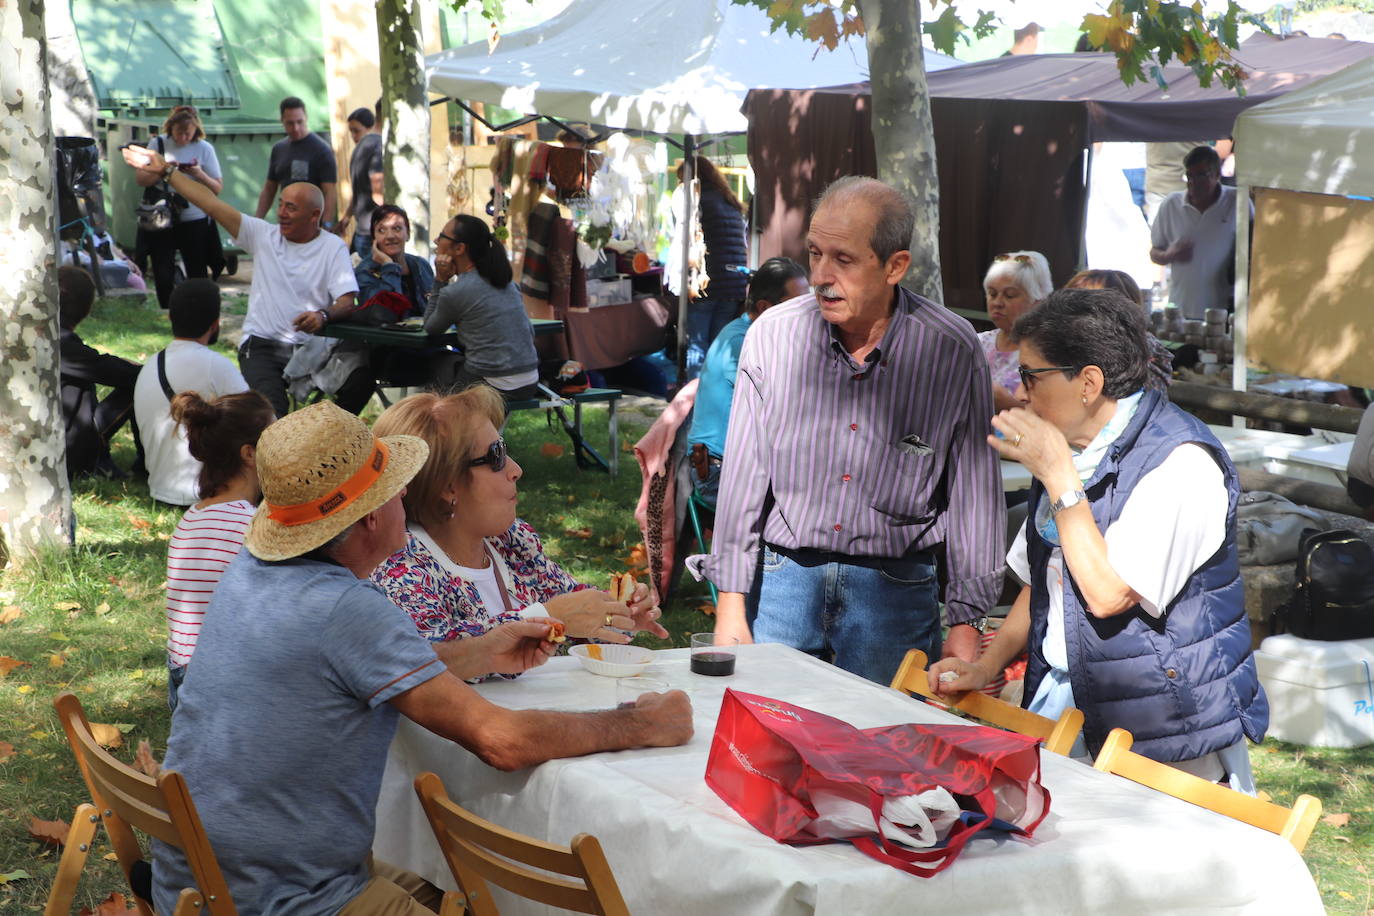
(494, 332)
(308, 159)
(282, 728)
(199, 152)
(366, 162)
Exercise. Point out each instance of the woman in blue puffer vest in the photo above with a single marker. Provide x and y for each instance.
(727, 260)
(1133, 611)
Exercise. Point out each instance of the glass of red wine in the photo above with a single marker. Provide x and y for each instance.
(713, 655)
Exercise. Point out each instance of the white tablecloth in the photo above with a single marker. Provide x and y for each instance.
(1107, 846)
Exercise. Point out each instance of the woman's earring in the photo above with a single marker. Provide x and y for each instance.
(452, 507)
(1085, 400)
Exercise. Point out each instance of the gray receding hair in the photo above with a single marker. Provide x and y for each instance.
(896, 217)
(1091, 327)
(1032, 275)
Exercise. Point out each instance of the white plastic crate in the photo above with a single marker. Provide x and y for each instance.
(1320, 693)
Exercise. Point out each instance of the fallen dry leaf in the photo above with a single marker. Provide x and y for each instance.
(144, 761)
(707, 608)
(638, 558)
(106, 735)
(142, 524)
(6, 751)
(111, 857)
(67, 606)
(53, 833)
(16, 875)
(551, 450)
(11, 613)
(625, 446)
(582, 533)
(8, 664)
(111, 906)
(102, 608)
(1336, 819)
(56, 660)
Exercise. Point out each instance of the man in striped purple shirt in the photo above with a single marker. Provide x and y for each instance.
(856, 454)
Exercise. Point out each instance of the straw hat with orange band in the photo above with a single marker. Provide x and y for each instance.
(321, 470)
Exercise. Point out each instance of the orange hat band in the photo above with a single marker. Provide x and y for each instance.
(333, 501)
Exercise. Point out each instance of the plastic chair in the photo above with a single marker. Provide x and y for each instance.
(1059, 735)
(125, 800)
(479, 851)
(1293, 824)
(696, 505)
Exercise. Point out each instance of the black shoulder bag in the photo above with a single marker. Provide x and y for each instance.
(1334, 594)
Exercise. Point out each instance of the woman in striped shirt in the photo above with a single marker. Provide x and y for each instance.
(223, 435)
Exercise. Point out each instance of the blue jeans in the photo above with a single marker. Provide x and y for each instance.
(705, 318)
(862, 614)
(361, 245)
(175, 675)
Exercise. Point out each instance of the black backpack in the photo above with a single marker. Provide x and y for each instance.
(1334, 594)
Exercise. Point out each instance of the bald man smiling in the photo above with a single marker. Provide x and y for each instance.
(302, 275)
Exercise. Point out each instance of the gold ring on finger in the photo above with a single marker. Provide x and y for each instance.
(609, 617)
(1016, 442)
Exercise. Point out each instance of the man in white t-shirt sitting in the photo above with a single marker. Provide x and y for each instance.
(188, 364)
(302, 276)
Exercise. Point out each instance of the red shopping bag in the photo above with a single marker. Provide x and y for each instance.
(768, 757)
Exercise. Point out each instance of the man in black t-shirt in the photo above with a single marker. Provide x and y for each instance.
(302, 156)
(365, 175)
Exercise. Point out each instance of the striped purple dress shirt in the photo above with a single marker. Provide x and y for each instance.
(870, 460)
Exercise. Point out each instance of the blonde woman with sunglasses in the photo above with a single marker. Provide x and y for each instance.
(469, 564)
(1014, 284)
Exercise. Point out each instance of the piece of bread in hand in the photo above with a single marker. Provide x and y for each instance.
(623, 587)
(558, 631)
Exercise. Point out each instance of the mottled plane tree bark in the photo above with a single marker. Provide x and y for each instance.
(35, 500)
(405, 109)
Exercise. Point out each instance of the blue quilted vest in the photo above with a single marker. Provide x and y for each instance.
(1185, 684)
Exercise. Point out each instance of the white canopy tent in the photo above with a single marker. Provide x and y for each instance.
(1302, 295)
(664, 66)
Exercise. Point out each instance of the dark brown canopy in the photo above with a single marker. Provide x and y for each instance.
(1011, 136)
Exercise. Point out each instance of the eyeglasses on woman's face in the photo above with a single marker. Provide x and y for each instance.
(1030, 376)
(494, 457)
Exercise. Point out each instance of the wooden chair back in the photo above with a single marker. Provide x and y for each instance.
(1293, 824)
(125, 801)
(1059, 734)
(479, 851)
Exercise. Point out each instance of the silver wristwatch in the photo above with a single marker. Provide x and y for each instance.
(1071, 498)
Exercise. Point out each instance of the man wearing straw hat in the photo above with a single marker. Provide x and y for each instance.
(303, 666)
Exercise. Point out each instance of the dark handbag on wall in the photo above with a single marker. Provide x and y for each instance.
(161, 206)
(1334, 595)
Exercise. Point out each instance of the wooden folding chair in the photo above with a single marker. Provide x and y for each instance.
(1293, 824)
(126, 800)
(479, 851)
(1059, 735)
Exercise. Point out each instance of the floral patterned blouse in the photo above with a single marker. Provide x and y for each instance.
(445, 606)
(1004, 364)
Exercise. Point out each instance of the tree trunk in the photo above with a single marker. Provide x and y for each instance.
(903, 138)
(405, 107)
(35, 501)
(74, 107)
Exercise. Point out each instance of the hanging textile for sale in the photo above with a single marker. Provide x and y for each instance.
(628, 186)
(690, 236)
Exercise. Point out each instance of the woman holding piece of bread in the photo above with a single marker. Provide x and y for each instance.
(469, 564)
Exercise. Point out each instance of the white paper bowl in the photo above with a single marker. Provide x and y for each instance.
(615, 661)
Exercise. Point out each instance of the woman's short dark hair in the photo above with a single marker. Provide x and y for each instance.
(386, 210)
(75, 295)
(485, 252)
(1091, 327)
(217, 430)
(1118, 280)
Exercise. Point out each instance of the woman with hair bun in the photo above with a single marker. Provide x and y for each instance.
(223, 436)
(487, 310)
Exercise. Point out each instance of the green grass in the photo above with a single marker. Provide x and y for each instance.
(92, 623)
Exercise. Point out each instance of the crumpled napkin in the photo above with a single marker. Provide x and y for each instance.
(919, 821)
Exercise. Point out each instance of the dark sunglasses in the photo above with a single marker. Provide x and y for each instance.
(495, 456)
(444, 235)
(1028, 375)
